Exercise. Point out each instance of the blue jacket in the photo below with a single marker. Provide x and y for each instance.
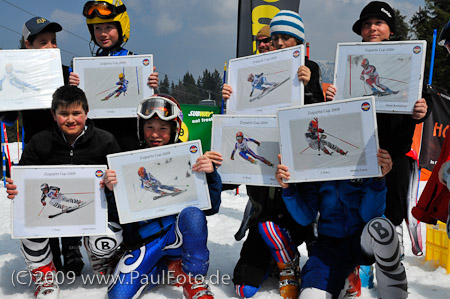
(344, 206)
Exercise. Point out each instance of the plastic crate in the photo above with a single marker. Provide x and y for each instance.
(437, 249)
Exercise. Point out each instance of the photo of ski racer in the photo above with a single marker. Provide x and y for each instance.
(11, 76)
(150, 183)
(122, 88)
(245, 152)
(371, 78)
(315, 137)
(59, 200)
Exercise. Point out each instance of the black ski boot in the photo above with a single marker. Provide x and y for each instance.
(73, 260)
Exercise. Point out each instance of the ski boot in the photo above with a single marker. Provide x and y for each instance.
(289, 278)
(327, 152)
(193, 287)
(253, 161)
(340, 151)
(268, 163)
(388, 91)
(375, 91)
(44, 278)
(354, 284)
(73, 260)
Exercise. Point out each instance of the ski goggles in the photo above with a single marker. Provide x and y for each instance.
(164, 109)
(101, 9)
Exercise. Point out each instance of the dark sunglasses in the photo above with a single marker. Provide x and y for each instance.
(264, 40)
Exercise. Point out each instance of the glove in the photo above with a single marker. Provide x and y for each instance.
(362, 77)
(257, 143)
(320, 130)
(43, 202)
(232, 157)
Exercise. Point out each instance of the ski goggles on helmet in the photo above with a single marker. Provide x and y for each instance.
(101, 9)
(164, 109)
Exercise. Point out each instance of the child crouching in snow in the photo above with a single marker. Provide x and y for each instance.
(351, 233)
(172, 243)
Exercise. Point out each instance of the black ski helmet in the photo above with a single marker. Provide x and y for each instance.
(44, 186)
(445, 34)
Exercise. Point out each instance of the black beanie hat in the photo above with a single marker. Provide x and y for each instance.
(376, 9)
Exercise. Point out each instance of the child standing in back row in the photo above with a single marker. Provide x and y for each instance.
(395, 131)
(109, 26)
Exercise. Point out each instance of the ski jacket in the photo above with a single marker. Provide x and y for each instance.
(344, 206)
(313, 91)
(49, 147)
(120, 127)
(433, 203)
(137, 233)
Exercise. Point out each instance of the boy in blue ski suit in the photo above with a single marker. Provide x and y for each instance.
(351, 232)
(176, 244)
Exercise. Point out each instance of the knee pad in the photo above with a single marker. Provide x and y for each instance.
(105, 246)
(192, 219)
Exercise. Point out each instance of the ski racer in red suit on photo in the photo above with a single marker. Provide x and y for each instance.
(370, 77)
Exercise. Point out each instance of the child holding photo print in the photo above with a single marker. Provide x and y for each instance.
(175, 243)
(351, 232)
(109, 26)
(40, 33)
(268, 211)
(72, 140)
(395, 131)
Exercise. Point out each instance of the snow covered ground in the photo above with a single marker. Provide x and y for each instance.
(425, 280)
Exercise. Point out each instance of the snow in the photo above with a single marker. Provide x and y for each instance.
(424, 279)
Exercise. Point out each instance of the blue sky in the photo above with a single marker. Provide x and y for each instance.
(186, 35)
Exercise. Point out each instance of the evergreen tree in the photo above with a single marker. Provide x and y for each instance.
(434, 15)
(402, 31)
(164, 86)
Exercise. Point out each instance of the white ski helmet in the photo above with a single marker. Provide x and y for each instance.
(161, 106)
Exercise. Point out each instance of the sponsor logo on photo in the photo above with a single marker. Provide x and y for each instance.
(296, 53)
(365, 106)
(193, 149)
(417, 49)
(145, 62)
(99, 173)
